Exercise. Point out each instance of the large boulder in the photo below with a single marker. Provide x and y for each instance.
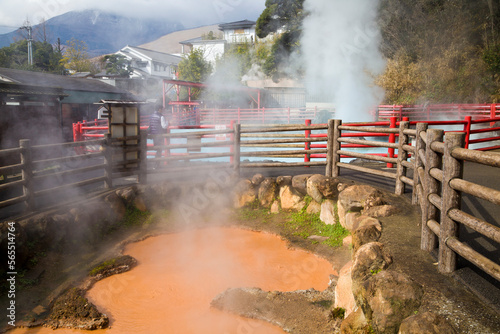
(381, 211)
(426, 323)
(257, 179)
(390, 298)
(290, 200)
(365, 230)
(244, 193)
(267, 192)
(368, 260)
(320, 187)
(343, 290)
(327, 214)
(299, 183)
(313, 208)
(357, 198)
(355, 323)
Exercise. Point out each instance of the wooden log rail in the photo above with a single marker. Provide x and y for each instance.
(39, 178)
(439, 185)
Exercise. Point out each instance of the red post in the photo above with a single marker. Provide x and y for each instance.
(467, 128)
(392, 140)
(493, 113)
(400, 113)
(239, 117)
(307, 144)
(288, 115)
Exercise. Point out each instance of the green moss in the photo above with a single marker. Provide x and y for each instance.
(304, 225)
(337, 313)
(135, 217)
(102, 267)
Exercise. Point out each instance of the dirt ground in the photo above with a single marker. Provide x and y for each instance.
(56, 273)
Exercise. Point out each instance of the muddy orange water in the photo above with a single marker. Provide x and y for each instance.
(179, 274)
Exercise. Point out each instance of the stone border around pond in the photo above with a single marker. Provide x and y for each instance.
(372, 294)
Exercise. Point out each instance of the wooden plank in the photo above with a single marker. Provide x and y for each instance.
(368, 129)
(485, 264)
(478, 225)
(480, 157)
(368, 157)
(477, 190)
(368, 142)
(367, 170)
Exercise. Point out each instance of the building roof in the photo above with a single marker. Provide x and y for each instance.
(18, 89)
(56, 81)
(200, 40)
(161, 57)
(237, 25)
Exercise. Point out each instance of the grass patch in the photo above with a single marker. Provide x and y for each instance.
(304, 225)
(136, 217)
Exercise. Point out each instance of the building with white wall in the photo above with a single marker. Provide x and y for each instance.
(148, 63)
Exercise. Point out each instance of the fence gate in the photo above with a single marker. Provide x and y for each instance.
(124, 136)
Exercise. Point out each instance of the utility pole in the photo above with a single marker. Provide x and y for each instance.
(29, 28)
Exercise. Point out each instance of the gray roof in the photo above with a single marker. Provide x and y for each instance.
(161, 57)
(237, 25)
(53, 80)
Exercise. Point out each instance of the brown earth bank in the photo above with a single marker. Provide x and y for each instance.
(58, 276)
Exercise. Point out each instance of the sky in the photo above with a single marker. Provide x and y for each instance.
(190, 13)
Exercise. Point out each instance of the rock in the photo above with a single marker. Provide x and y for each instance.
(355, 323)
(347, 241)
(426, 323)
(257, 179)
(343, 290)
(127, 194)
(390, 298)
(140, 203)
(312, 186)
(299, 183)
(267, 193)
(244, 193)
(343, 185)
(290, 200)
(354, 199)
(313, 208)
(317, 238)
(117, 205)
(284, 181)
(368, 260)
(366, 230)
(350, 219)
(327, 214)
(381, 211)
(275, 207)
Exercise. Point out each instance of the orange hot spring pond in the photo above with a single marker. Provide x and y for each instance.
(179, 274)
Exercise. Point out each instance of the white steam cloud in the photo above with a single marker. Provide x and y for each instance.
(340, 48)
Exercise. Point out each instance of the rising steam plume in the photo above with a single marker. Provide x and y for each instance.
(340, 48)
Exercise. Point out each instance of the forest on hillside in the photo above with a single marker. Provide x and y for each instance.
(438, 51)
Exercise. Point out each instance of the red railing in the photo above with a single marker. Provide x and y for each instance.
(434, 112)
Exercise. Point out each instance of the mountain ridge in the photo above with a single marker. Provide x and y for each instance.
(103, 32)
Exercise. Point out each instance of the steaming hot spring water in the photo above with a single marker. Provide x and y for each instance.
(179, 274)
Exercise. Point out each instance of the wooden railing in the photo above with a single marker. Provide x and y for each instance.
(435, 159)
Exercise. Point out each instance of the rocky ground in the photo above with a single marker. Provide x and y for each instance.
(67, 274)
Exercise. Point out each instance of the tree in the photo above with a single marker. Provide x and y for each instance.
(194, 68)
(76, 58)
(285, 17)
(117, 65)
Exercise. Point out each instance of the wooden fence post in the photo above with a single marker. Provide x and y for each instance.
(402, 156)
(329, 148)
(108, 161)
(429, 211)
(27, 173)
(451, 199)
(336, 147)
(143, 157)
(418, 163)
(236, 151)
